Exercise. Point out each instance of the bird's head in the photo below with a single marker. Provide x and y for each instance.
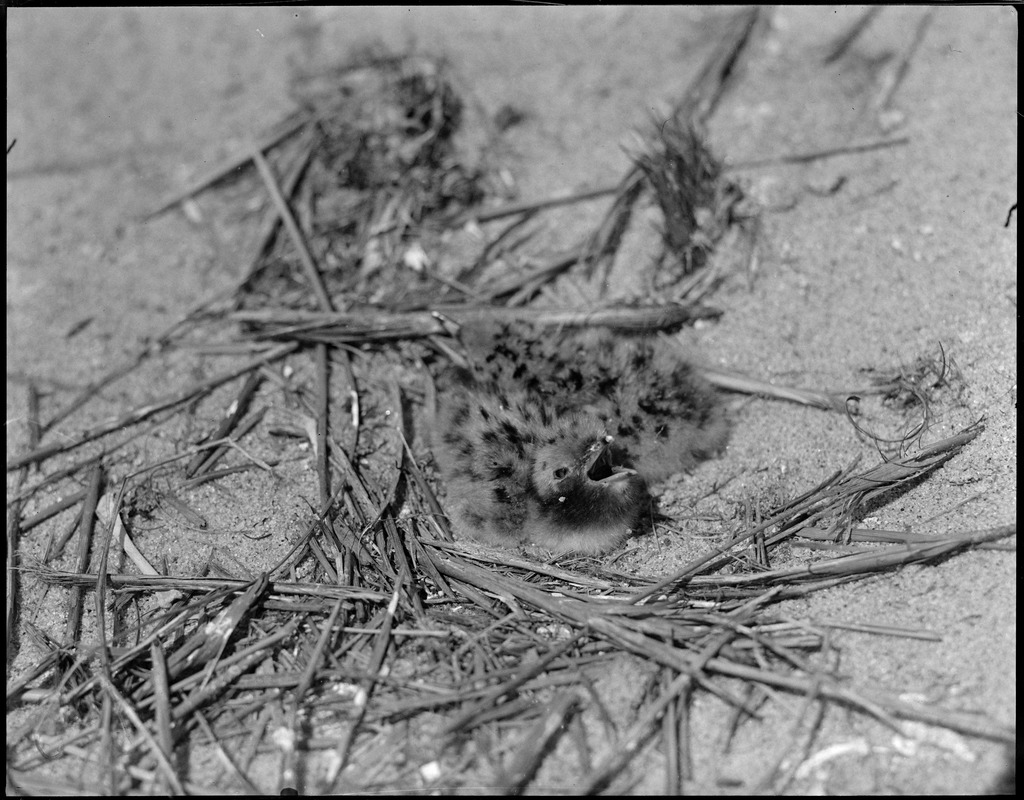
(578, 484)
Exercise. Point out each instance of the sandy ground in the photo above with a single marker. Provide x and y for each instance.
(865, 260)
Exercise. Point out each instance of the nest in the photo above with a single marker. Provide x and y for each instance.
(375, 620)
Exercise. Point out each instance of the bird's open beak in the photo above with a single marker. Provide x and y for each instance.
(599, 465)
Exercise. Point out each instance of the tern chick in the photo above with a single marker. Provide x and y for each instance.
(554, 439)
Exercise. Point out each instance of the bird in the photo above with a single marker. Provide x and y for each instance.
(555, 439)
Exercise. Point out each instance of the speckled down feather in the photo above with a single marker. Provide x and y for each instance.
(664, 416)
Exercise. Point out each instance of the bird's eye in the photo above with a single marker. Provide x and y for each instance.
(560, 473)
